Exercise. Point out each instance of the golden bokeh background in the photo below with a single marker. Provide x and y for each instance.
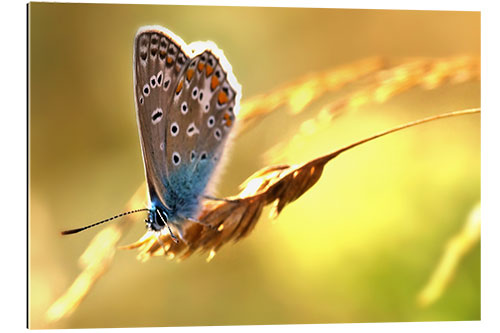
(358, 247)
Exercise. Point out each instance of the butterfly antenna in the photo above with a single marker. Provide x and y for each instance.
(74, 231)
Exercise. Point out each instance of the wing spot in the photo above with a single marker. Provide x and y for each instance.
(206, 108)
(217, 134)
(211, 121)
(184, 108)
(146, 90)
(162, 146)
(193, 155)
(189, 74)
(165, 84)
(179, 88)
(209, 69)
(176, 158)
(174, 129)
(159, 77)
(201, 95)
(152, 81)
(192, 130)
(156, 116)
(222, 98)
(203, 155)
(214, 83)
(195, 92)
(141, 100)
(227, 119)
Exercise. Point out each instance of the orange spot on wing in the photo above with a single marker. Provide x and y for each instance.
(209, 70)
(215, 82)
(189, 74)
(179, 87)
(228, 120)
(200, 66)
(222, 97)
(169, 60)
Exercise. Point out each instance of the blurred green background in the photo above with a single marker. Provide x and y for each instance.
(357, 247)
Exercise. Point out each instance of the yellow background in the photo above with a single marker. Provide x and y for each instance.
(358, 247)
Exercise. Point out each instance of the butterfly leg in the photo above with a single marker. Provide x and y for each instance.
(158, 238)
(209, 197)
(192, 219)
(165, 221)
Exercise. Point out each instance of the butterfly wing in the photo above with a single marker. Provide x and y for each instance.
(203, 112)
(159, 60)
(186, 108)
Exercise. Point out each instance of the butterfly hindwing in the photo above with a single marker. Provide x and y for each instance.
(202, 116)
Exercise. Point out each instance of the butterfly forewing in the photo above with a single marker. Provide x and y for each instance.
(158, 64)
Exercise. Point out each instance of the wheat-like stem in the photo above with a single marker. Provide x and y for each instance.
(233, 219)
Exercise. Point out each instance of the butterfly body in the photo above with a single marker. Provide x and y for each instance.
(186, 101)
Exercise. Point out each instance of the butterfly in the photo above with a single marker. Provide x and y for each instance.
(186, 99)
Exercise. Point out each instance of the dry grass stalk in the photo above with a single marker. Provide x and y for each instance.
(94, 262)
(384, 84)
(299, 94)
(235, 218)
(230, 220)
(457, 247)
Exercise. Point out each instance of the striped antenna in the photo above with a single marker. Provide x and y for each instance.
(74, 231)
